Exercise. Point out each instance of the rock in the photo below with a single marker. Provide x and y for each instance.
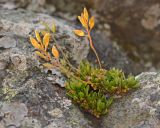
(7, 42)
(21, 72)
(2, 76)
(13, 113)
(32, 5)
(57, 77)
(72, 119)
(9, 5)
(18, 59)
(112, 55)
(129, 53)
(42, 104)
(18, 25)
(139, 109)
(30, 122)
(135, 25)
(3, 65)
(4, 56)
(13, 56)
(151, 20)
(56, 113)
(135, 30)
(2, 124)
(132, 61)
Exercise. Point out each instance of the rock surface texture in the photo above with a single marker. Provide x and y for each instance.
(140, 109)
(135, 25)
(134, 48)
(36, 100)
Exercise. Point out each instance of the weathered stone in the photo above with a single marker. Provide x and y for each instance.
(31, 84)
(7, 42)
(140, 109)
(2, 124)
(13, 113)
(18, 25)
(13, 56)
(18, 60)
(151, 20)
(109, 25)
(47, 104)
(111, 55)
(9, 5)
(30, 122)
(3, 64)
(56, 113)
(57, 77)
(72, 119)
(135, 25)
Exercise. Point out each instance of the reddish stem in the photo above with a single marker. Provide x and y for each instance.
(92, 47)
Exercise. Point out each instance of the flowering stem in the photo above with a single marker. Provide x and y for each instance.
(63, 54)
(92, 47)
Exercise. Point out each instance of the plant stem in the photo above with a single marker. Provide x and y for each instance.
(69, 74)
(92, 47)
(63, 54)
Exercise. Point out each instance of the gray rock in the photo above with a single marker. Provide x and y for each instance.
(137, 30)
(19, 24)
(139, 109)
(13, 56)
(73, 119)
(16, 25)
(3, 65)
(57, 77)
(18, 59)
(134, 24)
(13, 113)
(7, 42)
(56, 113)
(2, 124)
(23, 73)
(111, 55)
(30, 122)
(47, 104)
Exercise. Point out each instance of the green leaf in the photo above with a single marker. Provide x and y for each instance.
(81, 95)
(53, 27)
